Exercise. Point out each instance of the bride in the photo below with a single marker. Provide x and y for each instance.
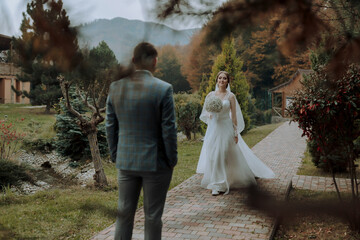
(225, 159)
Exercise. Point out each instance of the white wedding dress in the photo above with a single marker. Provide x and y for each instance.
(224, 163)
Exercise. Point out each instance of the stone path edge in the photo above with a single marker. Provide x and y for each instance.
(277, 219)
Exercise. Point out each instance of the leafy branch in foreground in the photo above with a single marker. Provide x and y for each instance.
(307, 23)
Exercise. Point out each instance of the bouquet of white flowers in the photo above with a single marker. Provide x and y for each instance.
(213, 104)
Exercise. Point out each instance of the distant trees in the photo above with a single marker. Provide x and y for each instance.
(46, 47)
(260, 56)
(169, 68)
(198, 60)
(284, 71)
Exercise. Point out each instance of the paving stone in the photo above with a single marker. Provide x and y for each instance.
(327, 184)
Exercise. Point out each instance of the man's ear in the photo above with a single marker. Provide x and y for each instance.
(155, 61)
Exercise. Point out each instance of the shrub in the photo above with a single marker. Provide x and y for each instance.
(70, 141)
(327, 111)
(188, 109)
(259, 117)
(337, 157)
(268, 116)
(11, 174)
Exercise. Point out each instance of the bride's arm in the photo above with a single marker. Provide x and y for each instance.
(233, 115)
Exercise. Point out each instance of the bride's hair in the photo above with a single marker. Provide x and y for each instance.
(226, 74)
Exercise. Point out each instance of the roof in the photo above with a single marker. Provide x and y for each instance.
(299, 71)
(5, 42)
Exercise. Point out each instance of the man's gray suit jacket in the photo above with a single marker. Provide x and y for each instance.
(140, 123)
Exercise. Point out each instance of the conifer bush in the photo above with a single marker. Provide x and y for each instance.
(11, 174)
(70, 140)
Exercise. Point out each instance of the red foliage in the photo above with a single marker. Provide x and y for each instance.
(327, 112)
(9, 139)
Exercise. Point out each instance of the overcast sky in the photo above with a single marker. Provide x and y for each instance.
(82, 11)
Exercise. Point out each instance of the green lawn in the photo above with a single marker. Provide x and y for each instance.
(31, 121)
(309, 169)
(72, 212)
(34, 119)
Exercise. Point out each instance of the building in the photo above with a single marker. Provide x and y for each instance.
(282, 95)
(8, 74)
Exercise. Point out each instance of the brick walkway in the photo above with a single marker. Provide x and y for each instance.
(193, 213)
(325, 184)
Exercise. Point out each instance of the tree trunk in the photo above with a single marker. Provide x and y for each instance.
(188, 134)
(47, 109)
(99, 176)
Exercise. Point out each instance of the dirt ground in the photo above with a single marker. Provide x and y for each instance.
(314, 226)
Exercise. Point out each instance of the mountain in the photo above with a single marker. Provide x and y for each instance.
(122, 35)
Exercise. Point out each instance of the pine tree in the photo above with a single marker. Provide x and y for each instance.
(229, 62)
(46, 47)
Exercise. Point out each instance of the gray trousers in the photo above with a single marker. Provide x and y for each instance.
(155, 186)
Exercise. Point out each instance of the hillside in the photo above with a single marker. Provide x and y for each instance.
(122, 35)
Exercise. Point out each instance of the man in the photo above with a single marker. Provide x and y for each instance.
(141, 133)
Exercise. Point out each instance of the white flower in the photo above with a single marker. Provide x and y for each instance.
(213, 104)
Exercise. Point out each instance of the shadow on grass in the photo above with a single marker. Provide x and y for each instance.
(109, 212)
(7, 234)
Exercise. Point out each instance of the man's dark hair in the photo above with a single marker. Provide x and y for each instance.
(143, 53)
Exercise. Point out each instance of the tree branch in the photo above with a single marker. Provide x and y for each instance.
(64, 85)
(339, 16)
(101, 95)
(84, 99)
(95, 105)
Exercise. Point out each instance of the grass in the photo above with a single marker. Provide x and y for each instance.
(72, 212)
(314, 226)
(31, 121)
(35, 120)
(309, 169)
